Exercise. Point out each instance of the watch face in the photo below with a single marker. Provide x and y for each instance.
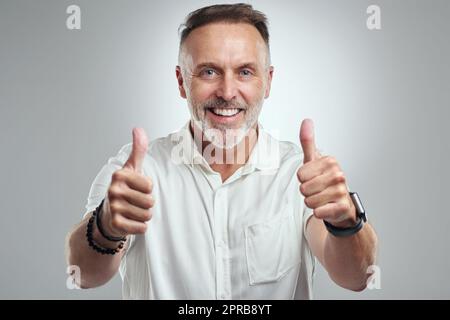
(358, 205)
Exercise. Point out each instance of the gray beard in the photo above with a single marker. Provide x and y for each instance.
(223, 137)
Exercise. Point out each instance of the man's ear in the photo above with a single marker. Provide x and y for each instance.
(269, 82)
(180, 82)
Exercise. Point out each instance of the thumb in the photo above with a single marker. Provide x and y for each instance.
(307, 140)
(140, 145)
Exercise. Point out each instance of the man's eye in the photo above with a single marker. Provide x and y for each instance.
(208, 72)
(246, 73)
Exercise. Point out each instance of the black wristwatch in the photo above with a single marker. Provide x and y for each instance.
(361, 219)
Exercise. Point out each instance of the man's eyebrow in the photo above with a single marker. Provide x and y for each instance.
(250, 65)
(207, 65)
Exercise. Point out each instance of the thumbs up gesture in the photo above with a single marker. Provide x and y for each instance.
(323, 184)
(128, 202)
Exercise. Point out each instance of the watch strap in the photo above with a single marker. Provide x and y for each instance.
(344, 232)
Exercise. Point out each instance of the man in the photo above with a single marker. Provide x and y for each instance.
(215, 211)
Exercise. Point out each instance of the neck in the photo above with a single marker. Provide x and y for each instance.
(226, 161)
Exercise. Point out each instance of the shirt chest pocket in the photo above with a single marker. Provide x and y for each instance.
(272, 248)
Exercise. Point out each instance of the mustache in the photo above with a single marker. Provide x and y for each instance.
(215, 103)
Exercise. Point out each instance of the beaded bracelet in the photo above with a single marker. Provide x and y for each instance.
(90, 237)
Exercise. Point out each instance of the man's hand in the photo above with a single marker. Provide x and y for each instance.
(323, 184)
(127, 205)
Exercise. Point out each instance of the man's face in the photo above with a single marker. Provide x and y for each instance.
(225, 77)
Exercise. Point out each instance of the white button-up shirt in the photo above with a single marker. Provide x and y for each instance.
(239, 239)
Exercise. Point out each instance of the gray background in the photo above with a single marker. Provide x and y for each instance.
(69, 99)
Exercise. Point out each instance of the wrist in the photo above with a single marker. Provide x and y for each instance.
(94, 230)
(348, 222)
(102, 241)
(349, 226)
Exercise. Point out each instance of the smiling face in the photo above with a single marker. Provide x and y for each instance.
(225, 76)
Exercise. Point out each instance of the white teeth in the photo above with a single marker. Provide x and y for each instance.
(225, 112)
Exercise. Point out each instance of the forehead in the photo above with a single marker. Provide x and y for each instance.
(226, 43)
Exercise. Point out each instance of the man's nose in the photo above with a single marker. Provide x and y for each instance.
(227, 88)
